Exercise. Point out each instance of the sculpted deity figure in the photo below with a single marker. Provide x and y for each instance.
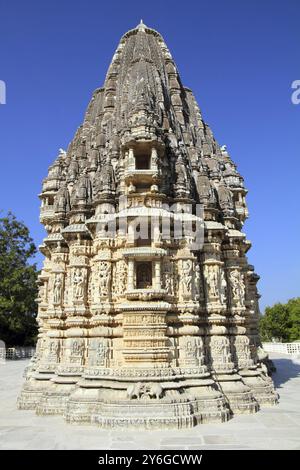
(223, 288)
(77, 348)
(169, 284)
(220, 349)
(197, 282)
(191, 350)
(57, 289)
(42, 292)
(242, 347)
(53, 351)
(168, 277)
(53, 348)
(212, 281)
(78, 281)
(237, 287)
(242, 292)
(186, 276)
(101, 353)
(104, 277)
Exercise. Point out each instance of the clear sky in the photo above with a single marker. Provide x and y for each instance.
(240, 57)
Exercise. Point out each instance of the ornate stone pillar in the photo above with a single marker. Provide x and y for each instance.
(131, 273)
(157, 270)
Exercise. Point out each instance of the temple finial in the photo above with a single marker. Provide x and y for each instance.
(141, 26)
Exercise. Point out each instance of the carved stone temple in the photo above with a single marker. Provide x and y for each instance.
(139, 325)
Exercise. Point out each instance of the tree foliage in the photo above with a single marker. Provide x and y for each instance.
(18, 288)
(282, 322)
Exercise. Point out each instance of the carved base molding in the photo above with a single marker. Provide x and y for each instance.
(263, 389)
(107, 401)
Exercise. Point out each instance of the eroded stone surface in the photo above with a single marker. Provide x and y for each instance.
(161, 330)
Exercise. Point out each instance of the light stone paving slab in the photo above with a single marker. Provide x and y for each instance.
(215, 439)
(277, 427)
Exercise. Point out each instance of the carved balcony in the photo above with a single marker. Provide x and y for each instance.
(146, 294)
(46, 213)
(143, 176)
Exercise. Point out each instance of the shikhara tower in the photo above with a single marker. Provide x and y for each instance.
(149, 331)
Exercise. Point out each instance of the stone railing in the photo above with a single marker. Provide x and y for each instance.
(46, 211)
(292, 349)
(16, 353)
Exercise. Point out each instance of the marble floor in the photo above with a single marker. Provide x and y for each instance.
(276, 427)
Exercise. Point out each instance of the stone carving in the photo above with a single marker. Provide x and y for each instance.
(237, 288)
(144, 391)
(191, 350)
(133, 332)
(104, 278)
(67, 289)
(242, 347)
(220, 351)
(122, 278)
(186, 277)
(168, 278)
(53, 351)
(42, 293)
(205, 190)
(62, 199)
(198, 283)
(104, 182)
(76, 352)
(223, 288)
(225, 199)
(212, 281)
(78, 284)
(57, 289)
(77, 348)
(99, 353)
(82, 190)
(94, 285)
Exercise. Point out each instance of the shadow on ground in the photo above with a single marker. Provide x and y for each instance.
(286, 369)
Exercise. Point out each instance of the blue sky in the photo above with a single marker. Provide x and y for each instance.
(239, 57)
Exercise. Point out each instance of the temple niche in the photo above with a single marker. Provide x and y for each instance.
(142, 321)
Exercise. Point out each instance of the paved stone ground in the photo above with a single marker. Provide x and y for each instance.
(276, 427)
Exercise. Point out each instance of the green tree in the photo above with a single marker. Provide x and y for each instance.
(18, 288)
(294, 311)
(282, 321)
